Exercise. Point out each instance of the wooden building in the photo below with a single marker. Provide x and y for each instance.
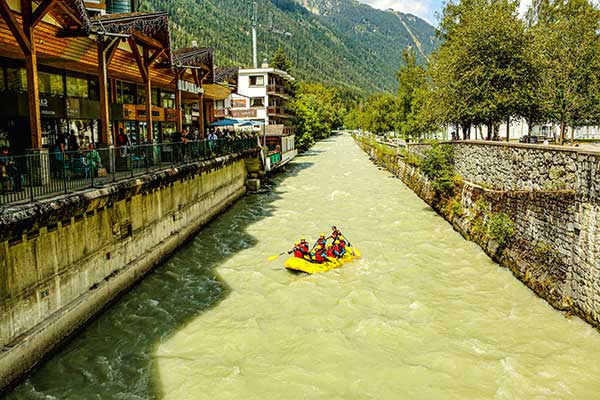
(69, 67)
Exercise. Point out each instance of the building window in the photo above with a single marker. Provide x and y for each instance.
(125, 93)
(51, 84)
(16, 79)
(77, 87)
(257, 102)
(2, 80)
(141, 96)
(219, 104)
(167, 99)
(257, 80)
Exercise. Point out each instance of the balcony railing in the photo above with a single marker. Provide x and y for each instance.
(280, 90)
(280, 112)
(31, 177)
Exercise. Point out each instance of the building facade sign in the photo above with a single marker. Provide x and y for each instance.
(189, 87)
(244, 113)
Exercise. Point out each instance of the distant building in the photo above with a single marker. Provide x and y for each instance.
(261, 98)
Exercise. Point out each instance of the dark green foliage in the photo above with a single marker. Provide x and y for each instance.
(438, 165)
(319, 109)
(349, 45)
(500, 228)
(280, 61)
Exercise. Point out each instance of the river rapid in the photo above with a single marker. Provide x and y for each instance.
(424, 315)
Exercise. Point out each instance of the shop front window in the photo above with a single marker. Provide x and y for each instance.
(2, 80)
(169, 129)
(125, 93)
(93, 90)
(77, 87)
(168, 99)
(16, 79)
(131, 131)
(51, 84)
(141, 96)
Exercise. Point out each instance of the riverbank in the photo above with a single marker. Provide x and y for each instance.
(532, 209)
(62, 260)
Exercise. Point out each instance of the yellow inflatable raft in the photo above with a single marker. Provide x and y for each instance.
(299, 264)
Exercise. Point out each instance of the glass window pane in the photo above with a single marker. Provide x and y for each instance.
(51, 84)
(17, 79)
(257, 102)
(77, 87)
(168, 99)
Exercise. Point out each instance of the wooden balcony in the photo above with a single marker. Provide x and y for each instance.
(282, 112)
(282, 91)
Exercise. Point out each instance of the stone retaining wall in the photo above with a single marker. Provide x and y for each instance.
(63, 260)
(550, 194)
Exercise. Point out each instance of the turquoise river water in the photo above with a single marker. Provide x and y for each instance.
(424, 315)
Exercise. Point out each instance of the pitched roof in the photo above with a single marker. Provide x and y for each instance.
(226, 74)
(195, 57)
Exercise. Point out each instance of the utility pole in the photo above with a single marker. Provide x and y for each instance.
(254, 26)
(253, 13)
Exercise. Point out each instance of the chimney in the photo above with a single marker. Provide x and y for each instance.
(194, 43)
(265, 64)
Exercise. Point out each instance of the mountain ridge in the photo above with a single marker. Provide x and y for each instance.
(339, 42)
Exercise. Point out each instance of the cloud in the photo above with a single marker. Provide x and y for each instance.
(421, 8)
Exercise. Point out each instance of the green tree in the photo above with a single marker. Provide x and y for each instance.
(413, 91)
(280, 61)
(381, 114)
(566, 42)
(319, 109)
(482, 65)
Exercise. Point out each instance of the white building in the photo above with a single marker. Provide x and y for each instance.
(262, 96)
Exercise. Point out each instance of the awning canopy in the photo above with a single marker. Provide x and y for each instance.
(224, 122)
(252, 123)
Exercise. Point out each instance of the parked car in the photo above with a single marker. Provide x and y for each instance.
(531, 139)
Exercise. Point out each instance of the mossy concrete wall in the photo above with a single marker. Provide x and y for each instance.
(63, 260)
(549, 195)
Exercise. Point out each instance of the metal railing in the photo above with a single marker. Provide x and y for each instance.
(34, 176)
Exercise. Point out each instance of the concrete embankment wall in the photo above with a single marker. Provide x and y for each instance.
(552, 197)
(64, 259)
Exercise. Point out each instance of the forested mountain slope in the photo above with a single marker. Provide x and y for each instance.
(333, 41)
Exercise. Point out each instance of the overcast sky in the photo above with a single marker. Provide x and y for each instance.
(425, 9)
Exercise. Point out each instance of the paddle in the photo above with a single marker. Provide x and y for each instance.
(277, 256)
(350, 245)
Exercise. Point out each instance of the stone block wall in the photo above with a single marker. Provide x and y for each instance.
(62, 260)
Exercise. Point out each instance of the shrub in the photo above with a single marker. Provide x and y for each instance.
(438, 160)
(438, 166)
(500, 228)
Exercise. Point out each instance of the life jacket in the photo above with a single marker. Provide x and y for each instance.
(342, 244)
(304, 246)
(319, 257)
(298, 252)
(322, 242)
(330, 252)
(338, 250)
